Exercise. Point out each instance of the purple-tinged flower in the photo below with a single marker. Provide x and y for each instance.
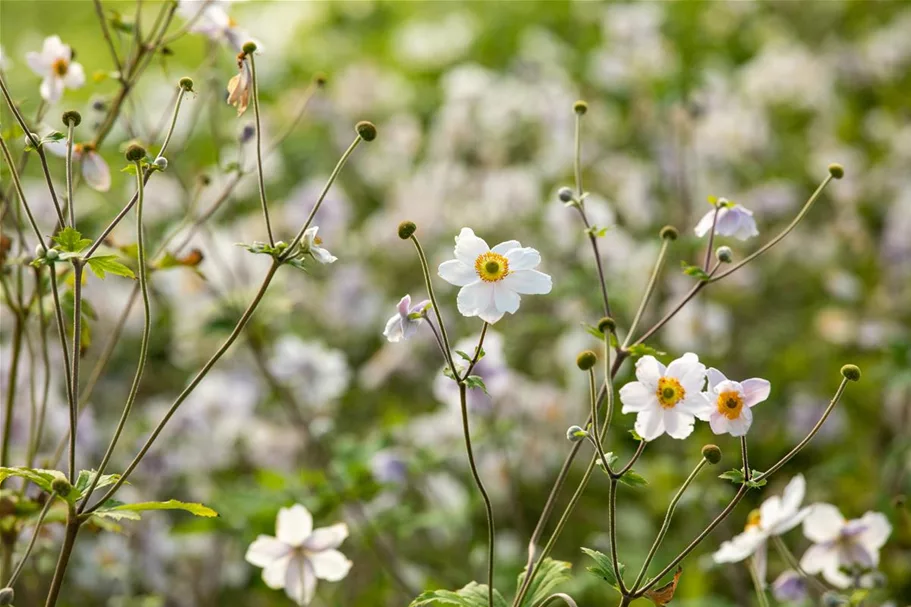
(733, 220)
(406, 321)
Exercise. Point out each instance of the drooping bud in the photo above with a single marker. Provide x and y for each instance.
(249, 47)
(7, 596)
(586, 360)
(186, 83)
(851, 372)
(724, 254)
(72, 117)
(607, 325)
(406, 229)
(565, 194)
(836, 170)
(711, 453)
(669, 233)
(61, 487)
(580, 107)
(135, 153)
(366, 130)
(574, 434)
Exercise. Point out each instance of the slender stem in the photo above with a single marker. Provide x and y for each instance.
(259, 149)
(186, 26)
(612, 526)
(425, 268)
(708, 249)
(107, 36)
(173, 124)
(69, 173)
(758, 584)
(477, 353)
(788, 556)
(77, 355)
(31, 543)
(577, 156)
(50, 185)
(18, 185)
(436, 335)
(12, 380)
(599, 450)
(686, 298)
(69, 540)
(61, 331)
(480, 484)
(747, 473)
(649, 289)
(46, 361)
(593, 239)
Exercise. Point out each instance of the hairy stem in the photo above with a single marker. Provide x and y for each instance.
(259, 149)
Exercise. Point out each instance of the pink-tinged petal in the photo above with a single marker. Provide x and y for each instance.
(695, 404)
(705, 224)
(506, 300)
(394, 330)
(327, 538)
(528, 282)
(650, 424)
(876, 531)
(457, 273)
(294, 525)
(330, 565)
(823, 524)
(522, 258)
(719, 423)
(474, 297)
(761, 562)
(739, 547)
(468, 247)
(404, 305)
(819, 557)
(504, 247)
(677, 424)
(649, 371)
(715, 377)
(75, 76)
(51, 88)
(274, 573)
(300, 581)
(741, 425)
(755, 391)
(38, 63)
(265, 550)
(95, 171)
(636, 397)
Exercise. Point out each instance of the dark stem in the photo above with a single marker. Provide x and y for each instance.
(69, 540)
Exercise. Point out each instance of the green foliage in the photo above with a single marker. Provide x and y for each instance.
(44, 480)
(694, 271)
(551, 573)
(475, 381)
(604, 567)
(737, 477)
(70, 240)
(118, 510)
(472, 595)
(108, 264)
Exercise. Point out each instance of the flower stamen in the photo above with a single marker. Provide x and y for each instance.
(669, 392)
(730, 404)
(491, 267)
(60, 67)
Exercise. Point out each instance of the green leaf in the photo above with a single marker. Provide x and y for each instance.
(550, 574)
(604, 567)
(85, 479)
(195, 509)
(633, 479)
(475, 381)
(71, 240)
(102, 264)
(737, 477)
(472, 595)
(596, 231)
(40, 477)
(694, 271)
(640, 350)
(610, 457)
(463, 354)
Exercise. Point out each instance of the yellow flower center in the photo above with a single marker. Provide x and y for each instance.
(60, 67)
(753, 519)
(491, 266)
(730, 404)
(669, 392)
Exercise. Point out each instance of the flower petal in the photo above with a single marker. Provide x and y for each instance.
(528, 282)
(715, 377)
(741, 425)
(505, 247)
(705, 224)
(823, 524)
(696, 404)
(51, 88)
(678, 424)
(38, 63)
(819, 557)
(75, 76)
(876, 531)
(474, 298)
(404, 305)
(761, 562)
(274, 573)
(457, 273)
(719, 423)
(394, 330)
(739, 547)
(649, 371)
(650, 424)
(505, 299)
(294, 525)
(755, 391)
(793, 495)
(330, 565)
(95, 171)
(522, 258)
(468, 247)
(326, 538)
(265, 550)
(300, 581)
(636, 397)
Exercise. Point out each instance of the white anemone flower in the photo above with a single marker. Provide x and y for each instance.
(493, 279)
(95, 170)
(839, 544)
(298, 555)
(310, 245)
(666, 399)
(733, 220)
(776, 516)
(730, 402)
(406, 320)
(56, 67)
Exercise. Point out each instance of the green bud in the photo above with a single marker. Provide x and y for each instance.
(7, 596)
(669, 233)
(851, 372)
(574, 434)
(52, 255)
(72, 117)
(724, 254)
(366, 130)
(836, 170)
(711, 453)
(135, 153)
(580, 107)
(249, 47)
(586, 360)
(406, 229)
(161, 163)
(61, 487)
(565, 194)
(186, 83)
(607, 325)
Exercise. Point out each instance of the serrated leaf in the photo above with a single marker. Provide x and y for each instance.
(694, 271)
(475, 381)
(70, 240)
(736, 476)
(108, 264)
(550, 574)
(604, 567)
(596, 231)
(633, 479)
(471, 595)
(85, 479)
(40, 477)
(610, 457)
(463, 354)
(639, 350)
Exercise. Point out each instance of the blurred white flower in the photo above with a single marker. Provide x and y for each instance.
(729, 402)
(776, 516)
(733, 220)
(298, 555)
(493, 279)
(320, 374)
(789, 587)
(310, 246)
(212, 20)
(407, 319)
(95, 170)
(4, 62)
(666, 399)
(839, 544)
(56, 67)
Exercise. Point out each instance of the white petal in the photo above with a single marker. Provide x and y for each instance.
(294, 525)
(394, 331)
(330, 565)
(505, 299)
(823, 524)
(761, 562)
(689, 371)
(876, 532)
(649, 371)
(468, 247)
(636, 397)
(51, 88)
(650, 424)
(819, 557)
(836, 578)
(789, 521)
(793, 495)
(770, 512)
(404, 306)
(677, 424)
(475, 298)
(719, 423)
(265, 550)
(310, 236)
(505, 247)
(326, 538)
(755, 391)
(705, 224)
(457, 273)
(38, 63)
(696, 404)
(322, 255)
(715, 377)
(54, 48)
(528, 282)
(300, 581)
(741, 425)
(522, 258)
(491, 314)
(274, 573)
(75, 76)
(96, 172)
(739, 547)
(728, 222)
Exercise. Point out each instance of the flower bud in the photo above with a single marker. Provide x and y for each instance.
(61, 487)
(72, 117)
(851, 372)
(161, 163)
(669, 233)
(135, 153)
(186, 83)
(836, 170)
(607, 325)
(724, 254)
(7, 596)
(565, 194)
(406, 229)
(366, 130)
(580, 107)
(249, 47)
(711, 453)
(320, 79)
(50, 255)
(574, 434)
(586, 360)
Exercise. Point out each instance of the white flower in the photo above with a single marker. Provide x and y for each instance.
(214, 21)
(730, 402)
(55, 65)
(667, 399)
(733, 220)
(4, 62)
(310, 246)
(298, 555)
(319, 374)
(493, 279)
(406, 321)
(776, 516)
(95, 170)
(842, 544)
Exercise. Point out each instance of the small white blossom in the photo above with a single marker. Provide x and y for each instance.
(298, 555)
(666, 399)
(406, 321)
(213, 21)
(733, 220)
(310, 246)
(493, 279)
(56, 67)
(839, 544)
(95, 170)
(730, 402)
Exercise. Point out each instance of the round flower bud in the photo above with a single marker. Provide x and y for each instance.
(580, 107)
(7, 596)
(366, 130)
(161, 163)
(724, 254)
(669, 233)
(607, 325)
(836, 170)
(51, 255)
(711, 453)
(586, 360)
(61, 487)
(574, 434)
(72, 117)
(135, 153)
(565, 194)
(186, 83)
(406, 229)
(249, 47)
(320, 79)
(851, 372)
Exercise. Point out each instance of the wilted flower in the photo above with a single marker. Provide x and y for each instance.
(239, 86)
(667, 399)
(406, 321)
(733, 220)
(310, 246)
(493, 279)
(298, 555)
(56, 67)
(730, 402)
(789, 587)
(776, 516)
(841, 544)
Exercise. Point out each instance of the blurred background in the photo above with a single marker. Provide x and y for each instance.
(473, 103)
